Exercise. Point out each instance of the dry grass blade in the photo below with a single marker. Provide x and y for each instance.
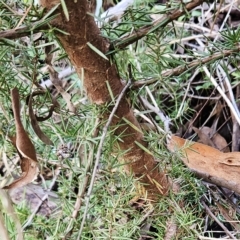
(8, 208)
(3, 230)
(99, 153)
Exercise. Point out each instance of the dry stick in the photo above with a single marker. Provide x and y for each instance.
(205, 98)
(204, 18)
(144, 217)
(9, 210)
(228, 91)
(82, 188)
(23, 17)
(98, 156)
(225, 19)
(147, 119)
(165, 119)
(212, 113)
(198, 113)
(77, 206)
(229, 103)
(195, 27)
(40, 25)
(24, 31)
(216, 15)
(115, 12)
(187, 66)
(235, 125)
(10, 9)
(216, 220)
(228, 218)
(151, 120)
(210, 238)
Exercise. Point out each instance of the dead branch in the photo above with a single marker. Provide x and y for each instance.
(161, 22)
(194, 64)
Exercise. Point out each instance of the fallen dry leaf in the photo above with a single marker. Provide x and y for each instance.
(222, 169)
(29, 173)
(208, 137)
(171, 229)
(24, 146)
(32, 194)
(23, 142)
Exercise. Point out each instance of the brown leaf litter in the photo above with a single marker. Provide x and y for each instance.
(24, 146)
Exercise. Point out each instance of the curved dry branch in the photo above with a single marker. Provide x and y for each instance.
(161, 22)
(192, 65)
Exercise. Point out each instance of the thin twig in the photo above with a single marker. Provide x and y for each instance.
(230, 104)
(3, 229)
(198, 113)
(23, 17)
(138, 113)
(205, 98)
(98, 156)
(225, 19)
(186, 92)
(230, 201)
(24, 30)
(82, 187)
(229, 93)
(209, 212)
(30, 218)
(186, 67)
(159, 23)
(210, 238)
(165, 119)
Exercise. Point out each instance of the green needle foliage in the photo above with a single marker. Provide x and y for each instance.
(154, 59)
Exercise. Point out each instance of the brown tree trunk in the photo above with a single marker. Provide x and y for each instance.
(82, 29)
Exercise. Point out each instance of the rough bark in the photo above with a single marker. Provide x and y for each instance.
(97, 71)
